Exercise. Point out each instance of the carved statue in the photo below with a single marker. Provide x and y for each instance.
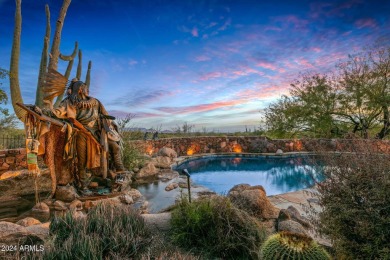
(91, 134)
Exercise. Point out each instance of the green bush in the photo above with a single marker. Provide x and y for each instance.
(131, 155)
(292, 246)
(214, 227)
(354, 201)
(107, 232)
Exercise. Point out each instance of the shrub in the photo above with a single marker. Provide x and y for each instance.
(354, 201)
(131, 155)
(107, 232)
(292, 246)
(216, 228)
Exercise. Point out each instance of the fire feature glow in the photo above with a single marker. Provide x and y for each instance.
(237, 148)
(149, 150)
(298, 145)
(194, 148)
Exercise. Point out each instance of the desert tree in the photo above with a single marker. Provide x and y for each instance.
(354, 98)
(7, 120)
(352, 208)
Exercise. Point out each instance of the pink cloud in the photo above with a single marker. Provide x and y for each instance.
(195, 32)
(267, 65)
(225, 25)
(211, 75)
(316, 49)
(123, 114)
(292, 19)
(330, 59)
(199, 108)
(273, 28)
(146, 115)
(202, 58)
(232, 74)
(245, 70)
(321, 9)
(262, 92)
(212, 24)
(366, 22)
(304, 63)
(132, 62)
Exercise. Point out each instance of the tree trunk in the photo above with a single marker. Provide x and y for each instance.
(386, 124)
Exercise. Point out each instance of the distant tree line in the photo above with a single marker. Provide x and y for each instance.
(355, 98)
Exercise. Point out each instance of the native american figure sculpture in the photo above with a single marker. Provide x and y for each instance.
(55, 136)
(91, 134)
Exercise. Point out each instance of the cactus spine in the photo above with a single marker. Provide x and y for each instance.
(286, 245)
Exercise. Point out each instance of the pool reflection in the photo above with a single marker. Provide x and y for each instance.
(277, 175)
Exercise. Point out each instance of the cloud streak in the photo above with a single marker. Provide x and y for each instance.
(141, 98)
(198, 108)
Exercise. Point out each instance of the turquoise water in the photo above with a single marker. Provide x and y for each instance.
(277, 174)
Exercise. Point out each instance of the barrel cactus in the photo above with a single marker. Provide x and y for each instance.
(286, 245)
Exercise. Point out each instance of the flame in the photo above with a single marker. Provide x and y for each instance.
(194, 148)
(149, 150)
(237, 148)
(298, 145)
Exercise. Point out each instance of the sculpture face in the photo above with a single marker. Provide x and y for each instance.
(76, 92)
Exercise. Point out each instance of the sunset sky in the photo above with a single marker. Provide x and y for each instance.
(214, 64)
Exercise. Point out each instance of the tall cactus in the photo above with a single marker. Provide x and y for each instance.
(43, 65)
(88, 76)
(79, 65)
(70, 59)
(16, 95)
(55, 48)
(290, 246)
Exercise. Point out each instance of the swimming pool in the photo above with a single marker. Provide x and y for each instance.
(277, 174)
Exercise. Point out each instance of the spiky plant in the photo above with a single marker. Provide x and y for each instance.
(286, 245)
(217, 229)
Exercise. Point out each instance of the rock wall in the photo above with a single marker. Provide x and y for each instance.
(13, 159)
(258, 144)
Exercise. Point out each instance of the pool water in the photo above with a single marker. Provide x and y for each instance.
(277, 174)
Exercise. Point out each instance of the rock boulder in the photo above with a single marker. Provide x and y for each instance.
(163, 162)
(11, 233)
(29, 221)
(149, 170)
(253, 199)
(171, 186)
(291, 226)
(165, 151)
(66, 193)
(41, 208)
